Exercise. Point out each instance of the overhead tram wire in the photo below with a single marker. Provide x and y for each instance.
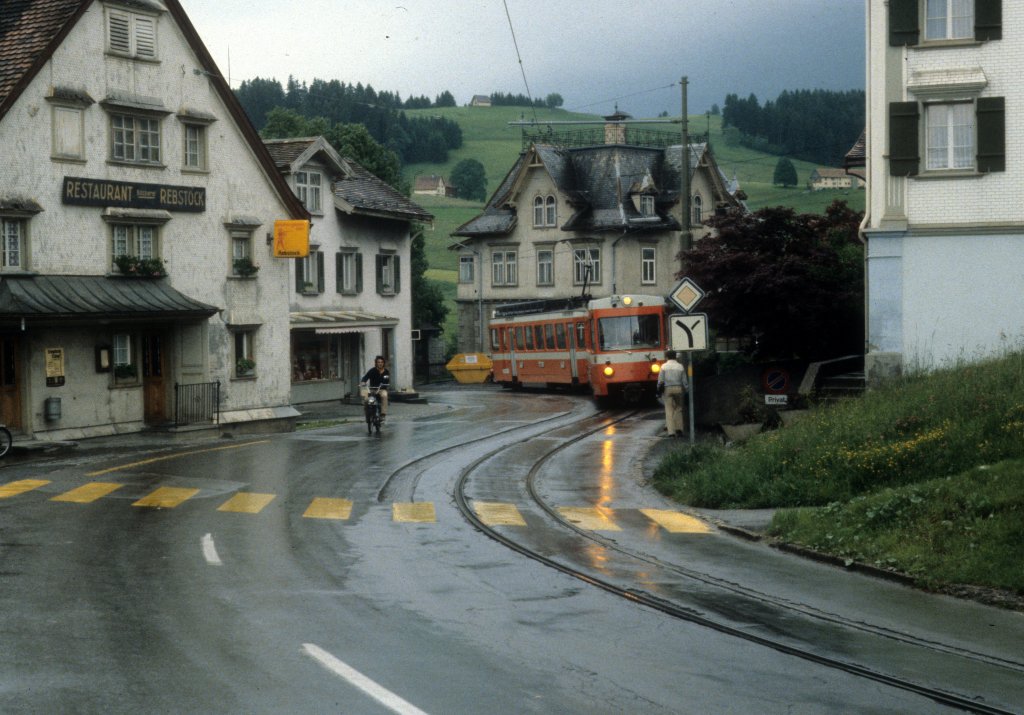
(519, 57)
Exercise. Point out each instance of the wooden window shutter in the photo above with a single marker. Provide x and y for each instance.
(300, 278)
(380, 273)
(904, 23)
(319, 272)
(119, 28)
(904, 150)
(339, 285)
(397, 273)
(991, 134)
(145, 37)
(988, 20)
(359, 273)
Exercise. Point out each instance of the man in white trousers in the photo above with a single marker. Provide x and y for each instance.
(672, 386)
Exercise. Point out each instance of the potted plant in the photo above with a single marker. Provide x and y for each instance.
(244, 267)
(244, 367)
(125, 372)
(135, 267)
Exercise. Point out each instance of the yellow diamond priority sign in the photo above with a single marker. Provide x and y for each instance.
(686, 295)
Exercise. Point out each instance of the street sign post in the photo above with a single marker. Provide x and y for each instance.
(688, 332)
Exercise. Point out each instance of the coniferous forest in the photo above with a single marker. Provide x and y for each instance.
(417, 139)
(817, 125)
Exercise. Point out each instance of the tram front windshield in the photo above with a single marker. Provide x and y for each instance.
(628, 332)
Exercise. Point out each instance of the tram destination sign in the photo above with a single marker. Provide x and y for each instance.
(124, 194)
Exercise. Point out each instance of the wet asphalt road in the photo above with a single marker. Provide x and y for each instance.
(327, 571)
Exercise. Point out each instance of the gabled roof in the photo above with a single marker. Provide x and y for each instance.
(356, 190)
(32, 30)
(424, 183)
(598, 182)
(828, 172)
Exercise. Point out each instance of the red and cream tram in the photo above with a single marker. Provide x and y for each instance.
(614, 346)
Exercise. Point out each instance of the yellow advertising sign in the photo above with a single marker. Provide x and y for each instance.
(291, 239)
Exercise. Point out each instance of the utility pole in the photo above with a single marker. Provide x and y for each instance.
(685, 239)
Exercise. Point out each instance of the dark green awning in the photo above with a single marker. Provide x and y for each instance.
(68, 298)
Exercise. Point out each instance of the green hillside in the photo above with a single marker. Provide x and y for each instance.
(488, 138)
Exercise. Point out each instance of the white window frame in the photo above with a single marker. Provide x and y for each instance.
(697, 210)
(646, 205)
(13, 232)
(241, 248)
(131, 34)
(648, 265)
(467, 269)
(243, 340)
(538, 211)
(135, 138)
(581, 259)
(550, 211)
(504, 263)
(545, 267)
(141, 240)
(942, 23)
(308, 185)
(311, 271)
(123, 355)
(387, 274)
(194, 150)
(950, 135)
(348, 279)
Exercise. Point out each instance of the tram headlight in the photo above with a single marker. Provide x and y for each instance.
(627, 300)
(608, 370)
(655, 368)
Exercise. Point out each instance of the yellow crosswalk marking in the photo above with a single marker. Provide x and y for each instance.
(498, 513)
(13, 489)
(247, 503)
(88, 493)
(166, 497)
(589, 518)
(676, 522)
(324, 508)
(421, 512)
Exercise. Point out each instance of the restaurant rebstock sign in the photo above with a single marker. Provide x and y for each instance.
(101, 192)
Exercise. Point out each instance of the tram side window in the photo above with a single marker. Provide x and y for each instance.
(560, 336)
(540, 336)
(529, 337)
(581, 335)
(519, 338)
(494, 339)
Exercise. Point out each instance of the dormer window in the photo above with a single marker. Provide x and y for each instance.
(646, 205)
(131, 34)
(307, 188)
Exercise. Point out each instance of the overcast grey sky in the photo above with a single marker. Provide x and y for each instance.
(595, 53)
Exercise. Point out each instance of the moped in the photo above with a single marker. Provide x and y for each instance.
(371, 408)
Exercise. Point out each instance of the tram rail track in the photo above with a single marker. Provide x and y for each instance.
(689, 614)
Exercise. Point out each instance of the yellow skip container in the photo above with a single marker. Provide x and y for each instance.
(470, 368)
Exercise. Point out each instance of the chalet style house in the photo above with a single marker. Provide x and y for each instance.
(136, 203)
(596, 218)
(433, 185)
(824, 177)
(351, 298)
(944, 227)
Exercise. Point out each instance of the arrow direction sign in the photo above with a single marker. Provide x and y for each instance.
(689, 332)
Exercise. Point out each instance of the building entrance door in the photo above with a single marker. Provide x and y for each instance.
(154, 390)
(10, 382)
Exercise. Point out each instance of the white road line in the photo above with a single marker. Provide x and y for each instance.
(377, 692)
(210, 551)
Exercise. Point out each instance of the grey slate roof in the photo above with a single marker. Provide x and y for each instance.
(597, 181)
(93, 297)
(27, 29)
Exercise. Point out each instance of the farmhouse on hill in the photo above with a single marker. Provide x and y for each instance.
(433, 185)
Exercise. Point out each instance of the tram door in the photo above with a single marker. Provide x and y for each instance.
(154, 390)
(570, 337)
(10, 388)
(512, 345)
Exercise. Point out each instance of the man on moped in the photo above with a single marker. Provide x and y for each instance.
(380, 377)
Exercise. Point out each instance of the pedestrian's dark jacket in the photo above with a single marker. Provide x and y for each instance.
(376, 378)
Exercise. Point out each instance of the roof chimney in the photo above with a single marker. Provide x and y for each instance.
(614, 129)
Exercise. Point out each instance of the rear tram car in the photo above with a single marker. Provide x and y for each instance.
(614, 346)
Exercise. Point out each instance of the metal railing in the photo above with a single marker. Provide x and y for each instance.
(197, 402)
(595, 136)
